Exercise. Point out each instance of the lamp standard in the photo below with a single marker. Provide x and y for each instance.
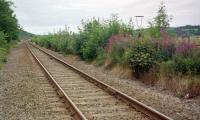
(139, 25)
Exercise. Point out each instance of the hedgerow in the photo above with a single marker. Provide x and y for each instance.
(117, 42)
(113, 42)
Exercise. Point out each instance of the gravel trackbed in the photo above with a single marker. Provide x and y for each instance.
(25, 94)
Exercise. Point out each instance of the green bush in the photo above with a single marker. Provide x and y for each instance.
(154, 31)
(59, 42)
(2, 39)
(4, 49)
(184, 65)
(141, 57)
(78, 42)
(8, 21)
(89, 50)
(187, 65)
(116, 26)
(101, 56)
(167, 68)
(93, 35)
(197, 65)
(167, 52)
(116, 55)
(93, 42)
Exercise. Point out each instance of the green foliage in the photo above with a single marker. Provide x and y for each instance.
(92, 35)
(101, 56)
(95, 34)
(141, 57)
(77, 43)
(172, 33)
(116, 55)
(62, 41)
(4, 49)
(167, 68)
(8, 21)
(154, 31)
(167, 52)
(8, 29)
(114, 40)
(197, 65)
(24, 34)
(89, 50)
(162, 19)
(116, 26)
(184, 65)
(2, 39)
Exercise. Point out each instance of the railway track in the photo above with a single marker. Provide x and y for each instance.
(87, 97)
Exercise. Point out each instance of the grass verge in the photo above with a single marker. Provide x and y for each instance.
(4, 51)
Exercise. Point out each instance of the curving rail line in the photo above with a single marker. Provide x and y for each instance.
(78, 114)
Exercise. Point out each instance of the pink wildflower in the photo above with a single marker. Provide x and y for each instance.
(118, 40)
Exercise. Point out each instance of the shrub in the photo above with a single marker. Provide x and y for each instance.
(116, 26)
(154, 31)
(101, 56)
(116, 47)
(197, 65)
(167, 52)
(89, 50)
(2, 39)
(78, 42)
(93, 35)
(187, 65)
(165, 45)
(120, 40)
(59, 42)
(184, 65)
(4, 49)
(116, 54)
(142, 57)
(185, 49)
(167, 68)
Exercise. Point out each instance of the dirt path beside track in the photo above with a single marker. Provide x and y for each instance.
(22, 96)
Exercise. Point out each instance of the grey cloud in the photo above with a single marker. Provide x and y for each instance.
(43, 16)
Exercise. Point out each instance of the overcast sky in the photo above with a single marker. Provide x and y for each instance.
(43, 16)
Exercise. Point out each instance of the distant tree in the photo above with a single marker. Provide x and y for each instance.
(162, 19)
(154, 31)
(160, 22)
(8, 22)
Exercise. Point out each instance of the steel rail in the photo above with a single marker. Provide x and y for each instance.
(149, 111)
(77, 114)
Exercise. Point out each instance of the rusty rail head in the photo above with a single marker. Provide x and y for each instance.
(149, 111)
(78, 114)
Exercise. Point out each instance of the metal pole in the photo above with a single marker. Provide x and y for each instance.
(139, 25)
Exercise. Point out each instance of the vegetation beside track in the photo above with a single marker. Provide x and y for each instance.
(4, 50)
(9, 29)
(154, 53)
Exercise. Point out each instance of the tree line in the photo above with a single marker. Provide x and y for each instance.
(9, 27)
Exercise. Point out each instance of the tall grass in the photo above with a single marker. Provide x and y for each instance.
(4, 48)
